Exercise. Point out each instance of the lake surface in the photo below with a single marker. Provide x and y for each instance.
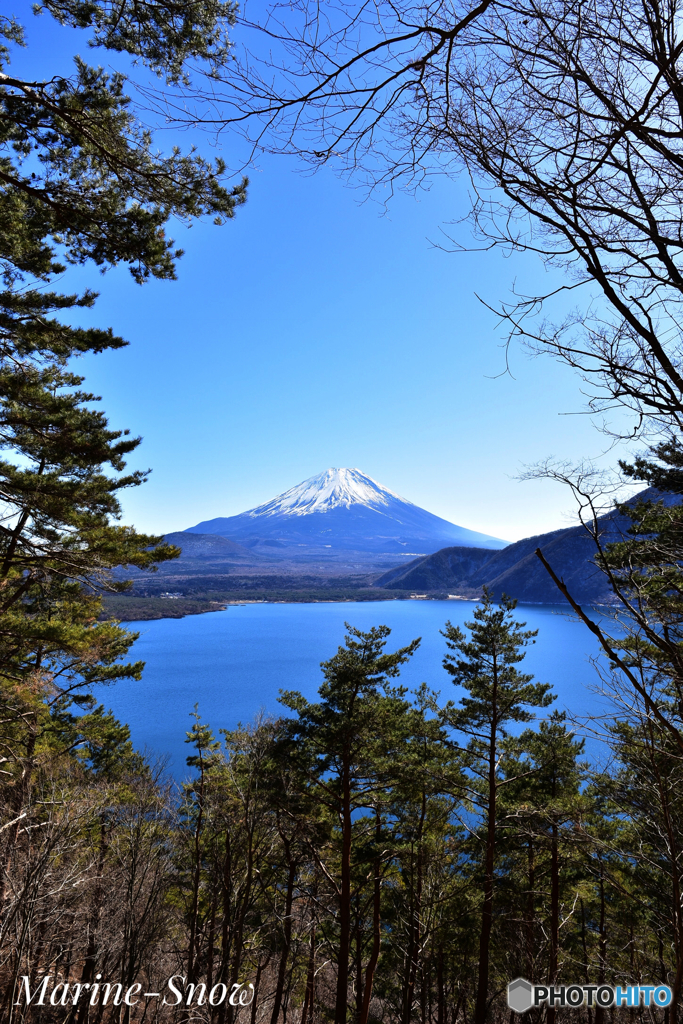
(233, 663)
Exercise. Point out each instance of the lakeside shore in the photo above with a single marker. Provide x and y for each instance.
(141, 608)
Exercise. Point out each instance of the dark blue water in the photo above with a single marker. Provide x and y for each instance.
(233, 663)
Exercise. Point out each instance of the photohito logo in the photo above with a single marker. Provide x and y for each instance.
(522, 995)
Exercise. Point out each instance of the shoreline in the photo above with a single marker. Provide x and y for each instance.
(150, 609)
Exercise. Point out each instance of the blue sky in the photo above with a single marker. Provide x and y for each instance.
(317, 330)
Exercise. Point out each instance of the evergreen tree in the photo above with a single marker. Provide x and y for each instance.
(498, 694)
(424, 899)
(80, 182)
(345, 746)
(542, 805)
(639, 821)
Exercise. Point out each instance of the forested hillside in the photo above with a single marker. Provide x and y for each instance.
(516, 570)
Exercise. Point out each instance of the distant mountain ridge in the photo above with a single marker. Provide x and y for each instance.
(516, 570)
(342, 510)
(214, 569)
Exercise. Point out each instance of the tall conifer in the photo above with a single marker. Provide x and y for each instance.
(485, 666)
(345, 745)
(81, 182)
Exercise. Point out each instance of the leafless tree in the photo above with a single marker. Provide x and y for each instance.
(566, 116)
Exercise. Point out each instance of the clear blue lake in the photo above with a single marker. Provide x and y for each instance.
(233, 663)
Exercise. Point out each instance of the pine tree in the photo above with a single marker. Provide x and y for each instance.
(485, 666)
(81, 182)
(542, 804)
(344, 746)
(424, 893)
(639, 826)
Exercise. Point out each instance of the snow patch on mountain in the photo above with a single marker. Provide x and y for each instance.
(335, 488)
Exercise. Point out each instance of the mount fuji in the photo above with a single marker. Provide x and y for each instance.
(339, 511)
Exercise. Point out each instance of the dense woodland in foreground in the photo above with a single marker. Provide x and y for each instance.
(377, 854)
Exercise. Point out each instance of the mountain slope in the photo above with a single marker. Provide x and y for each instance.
(199, 545)
(342, 510)
(516, 570)
(445, 569)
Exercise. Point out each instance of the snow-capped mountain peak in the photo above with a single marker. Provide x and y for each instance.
(342, 510)
(335, 488)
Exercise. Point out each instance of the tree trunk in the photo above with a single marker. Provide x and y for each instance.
(20, 801)
(376, 924)
(211, 939)
(554, 915)
(530, 909)
(416, 921)
(307, 1012)
(358, 957)
(602, 956)
(226, 930)
(487, 906)
(88, 972)
(196, 879)
(254, 1001)
(441, 1000)
(584, 943)
(284, 956)
(344, 902)
(239, 925)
